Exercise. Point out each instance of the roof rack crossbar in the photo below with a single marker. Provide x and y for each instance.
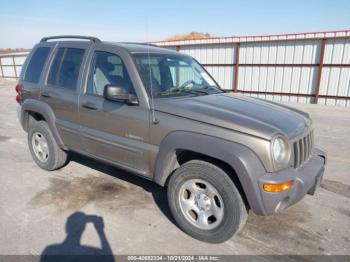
(91, 38)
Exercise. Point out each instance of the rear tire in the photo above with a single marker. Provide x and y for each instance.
(205, 203)
(43, 147)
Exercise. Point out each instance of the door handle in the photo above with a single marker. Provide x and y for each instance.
(90, 106)
(45, 94)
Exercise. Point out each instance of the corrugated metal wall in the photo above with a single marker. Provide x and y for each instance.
(310, 67)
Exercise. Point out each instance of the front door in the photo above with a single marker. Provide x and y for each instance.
(110, 130)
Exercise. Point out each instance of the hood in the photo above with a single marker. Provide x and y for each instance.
(239, 113)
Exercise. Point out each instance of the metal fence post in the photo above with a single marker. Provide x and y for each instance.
(236, 68)
(2, 71)
(320, 67)
(14, 66)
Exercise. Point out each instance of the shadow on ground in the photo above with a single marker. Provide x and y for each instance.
(158, 193)
(71, 249)
(74, 193)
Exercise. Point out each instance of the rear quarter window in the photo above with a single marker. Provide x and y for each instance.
(36, 65)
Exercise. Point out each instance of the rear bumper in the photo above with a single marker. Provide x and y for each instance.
(19, 113)
(305, 181)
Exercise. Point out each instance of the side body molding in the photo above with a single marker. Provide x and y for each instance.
(246, 164)
(43, 109)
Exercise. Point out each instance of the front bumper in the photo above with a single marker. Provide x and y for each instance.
(306, 180)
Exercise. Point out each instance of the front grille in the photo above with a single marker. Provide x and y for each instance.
(303, 149)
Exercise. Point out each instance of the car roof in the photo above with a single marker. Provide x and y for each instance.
(132, 48)
(143, 48)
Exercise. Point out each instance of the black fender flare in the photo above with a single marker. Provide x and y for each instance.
(43, 109)
(243, 161)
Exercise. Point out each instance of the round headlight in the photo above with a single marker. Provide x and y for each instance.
(279, 149)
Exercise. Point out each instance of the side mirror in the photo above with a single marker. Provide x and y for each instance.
(117, 93)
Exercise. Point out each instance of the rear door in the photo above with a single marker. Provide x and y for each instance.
(62, 88)
(110, 130)
(32, 73)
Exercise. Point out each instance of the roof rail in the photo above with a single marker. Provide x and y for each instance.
(137, 43)
(91, 38)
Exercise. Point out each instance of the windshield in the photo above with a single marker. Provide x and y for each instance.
(174, 75)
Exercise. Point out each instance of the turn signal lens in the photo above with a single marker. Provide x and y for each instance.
(278, 187)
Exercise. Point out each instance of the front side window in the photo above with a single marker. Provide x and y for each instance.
(65, 68)
(107, 69)
(174, 75)
(36, 65)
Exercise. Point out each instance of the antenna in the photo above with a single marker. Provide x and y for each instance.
(154, 119)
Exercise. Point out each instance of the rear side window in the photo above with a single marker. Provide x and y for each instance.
(64, 71)
(36, 64)
(55, 67)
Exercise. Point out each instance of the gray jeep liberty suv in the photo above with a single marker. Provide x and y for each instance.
(158, 114)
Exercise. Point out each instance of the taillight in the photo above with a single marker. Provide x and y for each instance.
(19, 94)
(18, 88)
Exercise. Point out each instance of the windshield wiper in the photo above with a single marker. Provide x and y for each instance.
(175, 91)
(208, 90)
(200, 91)
(192, 91)
(204, 91)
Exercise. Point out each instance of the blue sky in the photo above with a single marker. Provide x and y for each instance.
(23, 23)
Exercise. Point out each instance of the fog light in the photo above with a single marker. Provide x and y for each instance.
(278, 187)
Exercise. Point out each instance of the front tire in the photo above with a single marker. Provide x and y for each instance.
(43, 147)
(205, 203)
